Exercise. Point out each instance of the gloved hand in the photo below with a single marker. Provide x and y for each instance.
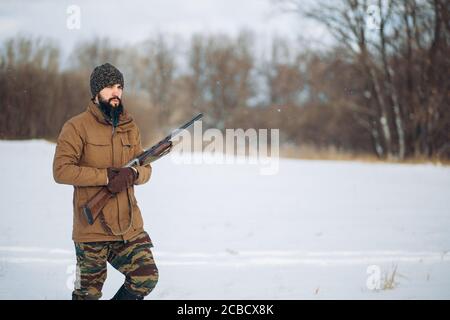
(120, 178)
(112, 172)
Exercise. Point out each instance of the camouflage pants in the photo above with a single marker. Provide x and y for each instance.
(133, 259)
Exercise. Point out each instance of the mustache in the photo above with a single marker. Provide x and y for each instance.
(112, 98)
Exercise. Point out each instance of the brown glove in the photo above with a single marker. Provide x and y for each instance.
(112, 172)
(120, 178)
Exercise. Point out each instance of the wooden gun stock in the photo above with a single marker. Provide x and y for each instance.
(94, 206)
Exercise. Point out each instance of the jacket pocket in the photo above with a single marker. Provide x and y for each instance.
(132, 196)
(128, 147)
(80, 199)
(98, 152)
(138, 222)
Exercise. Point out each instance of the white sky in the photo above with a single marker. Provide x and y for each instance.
(131, 21)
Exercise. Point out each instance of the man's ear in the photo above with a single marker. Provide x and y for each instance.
(96, 98)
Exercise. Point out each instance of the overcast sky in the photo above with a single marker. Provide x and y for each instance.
(131, 21)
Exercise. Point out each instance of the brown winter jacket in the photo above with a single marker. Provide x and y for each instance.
(86, 147)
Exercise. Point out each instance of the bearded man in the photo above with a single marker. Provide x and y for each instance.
(91, 150)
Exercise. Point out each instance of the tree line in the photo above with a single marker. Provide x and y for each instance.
(383, 92)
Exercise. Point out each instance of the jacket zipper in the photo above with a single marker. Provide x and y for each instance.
(117, 200)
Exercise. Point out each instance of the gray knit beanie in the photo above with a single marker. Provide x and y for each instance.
(103, 76)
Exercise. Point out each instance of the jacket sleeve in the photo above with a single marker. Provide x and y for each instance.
(144, 171)
(68, 152)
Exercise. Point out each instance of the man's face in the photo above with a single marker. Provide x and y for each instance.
(111, 94)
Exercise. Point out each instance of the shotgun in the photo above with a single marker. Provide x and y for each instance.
(94, 206)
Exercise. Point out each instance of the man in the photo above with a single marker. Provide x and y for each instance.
(91, 149)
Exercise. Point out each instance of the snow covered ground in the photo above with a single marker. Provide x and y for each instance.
(315, 230)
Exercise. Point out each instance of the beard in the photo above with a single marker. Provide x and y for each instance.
(111, 113)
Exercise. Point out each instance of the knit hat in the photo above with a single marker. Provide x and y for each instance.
(103, 76)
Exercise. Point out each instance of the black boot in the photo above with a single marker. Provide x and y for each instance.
(124, 294)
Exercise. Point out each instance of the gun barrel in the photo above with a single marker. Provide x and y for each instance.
(148, 152)
(184, 126)
(178, 130)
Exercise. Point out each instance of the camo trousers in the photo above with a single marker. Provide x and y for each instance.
(133, 259)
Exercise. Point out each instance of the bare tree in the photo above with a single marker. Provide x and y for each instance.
(220, 69)
(157, 75)
(404, 37)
